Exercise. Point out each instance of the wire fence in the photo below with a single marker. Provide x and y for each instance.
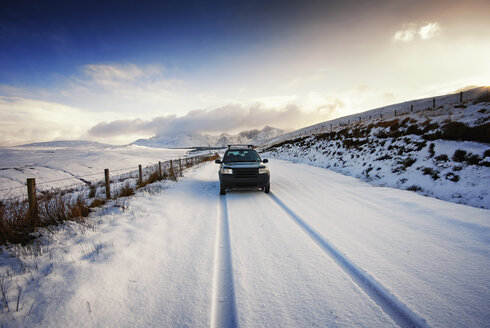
(392, 111)
(21, 215)
(87, 181)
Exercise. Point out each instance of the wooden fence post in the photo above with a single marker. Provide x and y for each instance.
(411, 108)
(160, 169)
(461, 96)
(107, 184)
(180, 166)
(31, 196)
(395, 112)
(141, 174)
(433, 102)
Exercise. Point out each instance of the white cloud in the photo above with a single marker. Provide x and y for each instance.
(120, 75)
(229, 118)
(26, 120)
(411, 30)
(429, 30)
(405, 35)
(317, 102)
(276, 102)
(126, 89)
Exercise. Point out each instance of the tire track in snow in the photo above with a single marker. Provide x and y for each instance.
(398, 311)
(223, 310)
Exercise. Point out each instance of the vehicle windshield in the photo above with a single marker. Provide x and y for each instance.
(241, 155)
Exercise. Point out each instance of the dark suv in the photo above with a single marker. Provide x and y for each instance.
(242, 167)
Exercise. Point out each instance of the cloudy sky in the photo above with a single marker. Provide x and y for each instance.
(115, 71)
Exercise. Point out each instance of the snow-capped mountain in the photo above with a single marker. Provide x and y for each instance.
(255, 137)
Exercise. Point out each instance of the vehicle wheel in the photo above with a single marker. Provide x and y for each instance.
(267, 188)
(222, 191)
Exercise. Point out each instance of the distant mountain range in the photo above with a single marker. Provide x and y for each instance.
(255, 137)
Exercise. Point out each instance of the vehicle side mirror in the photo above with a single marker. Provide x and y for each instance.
(265, 161)
(218, 161)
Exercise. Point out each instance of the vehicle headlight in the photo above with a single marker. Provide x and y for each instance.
(263, 170)
(225, 170)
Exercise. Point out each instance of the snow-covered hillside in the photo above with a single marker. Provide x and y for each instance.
(411, 106)
(255, 137)
(59, 165)
(441, 152)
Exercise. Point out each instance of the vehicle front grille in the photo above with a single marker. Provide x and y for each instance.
(246, 185)
(245, 173)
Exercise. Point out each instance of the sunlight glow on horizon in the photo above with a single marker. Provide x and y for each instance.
(316, 67)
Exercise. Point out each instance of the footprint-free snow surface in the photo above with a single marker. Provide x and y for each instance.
(321, 250)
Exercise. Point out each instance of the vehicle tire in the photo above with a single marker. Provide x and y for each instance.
(222, 191)
(267, 188)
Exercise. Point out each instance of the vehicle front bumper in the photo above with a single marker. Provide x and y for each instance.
(232, 181)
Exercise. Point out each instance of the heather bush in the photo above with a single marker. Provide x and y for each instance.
(459, 155)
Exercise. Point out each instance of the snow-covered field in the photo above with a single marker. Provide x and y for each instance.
(322, 250)
(61, 167)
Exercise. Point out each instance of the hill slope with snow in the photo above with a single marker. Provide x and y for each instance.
(411, 106)
(441, 152)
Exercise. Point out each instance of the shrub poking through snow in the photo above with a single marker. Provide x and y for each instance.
(93, 190)
(98, 202)
(434, 174)
(484, 97)
(126, 191)
(473, 159)
(442, 158)
(459, 155)
(154, 177)
(171, 174)
(457, 168)
(431, 150)
(414, 188)
(452, 177)
(407, 162)
(79, 209)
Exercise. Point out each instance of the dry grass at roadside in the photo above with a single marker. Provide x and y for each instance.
(58, 206)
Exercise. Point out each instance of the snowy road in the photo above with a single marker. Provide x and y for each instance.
(322, 250)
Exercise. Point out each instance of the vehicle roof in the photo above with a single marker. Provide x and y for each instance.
(244, 148)
(240, 146)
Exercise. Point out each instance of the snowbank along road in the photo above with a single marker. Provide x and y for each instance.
(322, 250)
